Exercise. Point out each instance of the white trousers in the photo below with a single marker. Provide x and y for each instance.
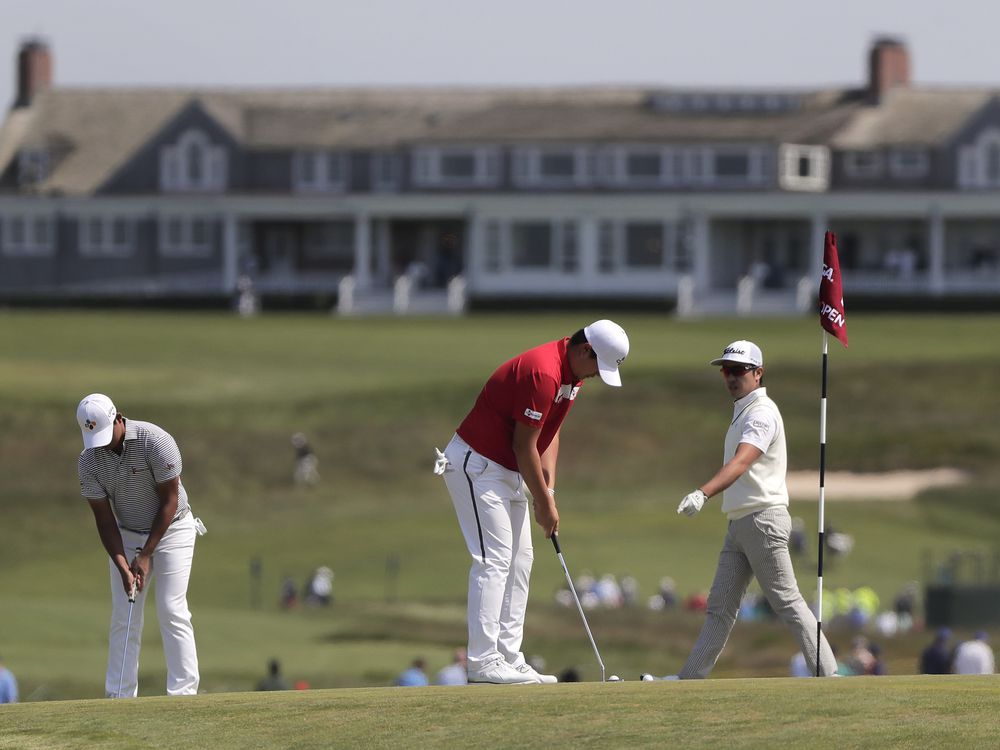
(171, 568)
(493, 511)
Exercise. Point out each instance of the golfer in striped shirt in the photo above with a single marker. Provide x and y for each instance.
(755, 500)
(130, 472)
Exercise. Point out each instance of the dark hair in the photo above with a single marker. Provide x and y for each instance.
(578, 338)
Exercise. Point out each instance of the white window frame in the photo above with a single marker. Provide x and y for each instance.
(379, 160)
(106, 246)
(755, 166)
(901, 166)
(617, 229)
(187, 247)
(32, 166)
(789, 178)
(427, 160)
(527, 162)
(619, 166)
(30, 245)
(323, 182)
(972, 161)
(855, 168)
(174, 169)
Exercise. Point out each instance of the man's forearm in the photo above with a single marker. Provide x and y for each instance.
(163, 520)
(111, 538)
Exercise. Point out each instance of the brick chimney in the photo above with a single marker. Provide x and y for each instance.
(34, 71)
(888, 67)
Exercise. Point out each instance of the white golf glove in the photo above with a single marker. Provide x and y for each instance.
(440, 463)
(692, 503)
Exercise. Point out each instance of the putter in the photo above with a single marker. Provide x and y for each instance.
(572, 588)
(128, 627)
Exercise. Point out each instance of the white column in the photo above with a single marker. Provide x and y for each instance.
(230, 253)
(935, 247)
(818, 227)
(362, 251)
(701, 247)
(587, 237)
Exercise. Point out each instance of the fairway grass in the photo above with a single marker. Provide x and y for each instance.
(883, 712)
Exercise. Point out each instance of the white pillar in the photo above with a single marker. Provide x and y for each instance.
(935, 248)
(230, 253)
(818, 227)
(701, 259)
(587, 235)
(362, 251)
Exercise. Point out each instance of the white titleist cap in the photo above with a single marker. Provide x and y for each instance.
(610, 344)
(741, 353)
(96, 417)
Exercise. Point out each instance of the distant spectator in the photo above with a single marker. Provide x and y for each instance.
(630, 591)
(289, 596)
(319, 588)
(798, 667)
(878, 665)
(936, 658)
(8, 685)
(415, 676)
(797, 543)
(455, 673)
(274, 680)
(569, 675)
(975, 656)
(906, 600)
(306, 463)
(860, 660)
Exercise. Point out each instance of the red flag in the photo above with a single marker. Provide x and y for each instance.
(831, 292)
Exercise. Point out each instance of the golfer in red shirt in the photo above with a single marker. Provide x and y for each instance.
(504, 450)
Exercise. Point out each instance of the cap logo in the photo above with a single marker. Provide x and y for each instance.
(90, 425)
(619, 360)
(733, 350)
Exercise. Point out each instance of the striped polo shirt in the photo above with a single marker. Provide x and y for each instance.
(149, 456)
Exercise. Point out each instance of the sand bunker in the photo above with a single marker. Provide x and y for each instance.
(890, 485)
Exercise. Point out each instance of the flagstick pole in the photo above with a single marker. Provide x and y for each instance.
(822, 504)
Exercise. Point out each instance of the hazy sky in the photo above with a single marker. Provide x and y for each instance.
(316, 42)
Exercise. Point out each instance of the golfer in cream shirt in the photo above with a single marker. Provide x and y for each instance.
(755, 500)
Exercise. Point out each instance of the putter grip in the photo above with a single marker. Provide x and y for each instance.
(555, 543)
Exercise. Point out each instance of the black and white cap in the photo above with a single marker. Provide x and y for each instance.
(741, 353)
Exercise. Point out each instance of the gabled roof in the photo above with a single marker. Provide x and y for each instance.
(912, 117)
(94, 132)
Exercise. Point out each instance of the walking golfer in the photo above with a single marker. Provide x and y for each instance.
(130, 472)
(506, 448)
(755, 500)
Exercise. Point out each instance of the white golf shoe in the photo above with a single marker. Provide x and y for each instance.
(529, 671)
(499, 672)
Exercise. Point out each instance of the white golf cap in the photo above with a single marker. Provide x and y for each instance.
(742, 353)
(96, 417)
(610, 343)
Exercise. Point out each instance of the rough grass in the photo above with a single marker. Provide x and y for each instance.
(374, 396)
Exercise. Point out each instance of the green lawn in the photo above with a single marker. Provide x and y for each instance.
(375, 396)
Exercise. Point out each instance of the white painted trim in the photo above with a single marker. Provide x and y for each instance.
(32, 166)
(106, 246)
(427, 164)
(187, 246)
(789, 178)
(175, 173)
(29, 245)
(380, 160)
(973, 161)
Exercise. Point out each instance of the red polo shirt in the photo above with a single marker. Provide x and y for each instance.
(536, 388)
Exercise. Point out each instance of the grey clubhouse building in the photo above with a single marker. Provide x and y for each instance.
(424, 199)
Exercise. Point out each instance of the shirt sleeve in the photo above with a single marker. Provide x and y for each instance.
(759, 429)
(534, 398)
(164, 458)
(90, 488)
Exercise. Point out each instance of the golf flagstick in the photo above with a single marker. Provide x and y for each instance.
(572, 588)
(833, 320)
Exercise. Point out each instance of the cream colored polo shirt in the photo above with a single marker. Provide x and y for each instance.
(757, 421)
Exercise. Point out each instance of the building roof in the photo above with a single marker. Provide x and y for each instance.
(93, 132)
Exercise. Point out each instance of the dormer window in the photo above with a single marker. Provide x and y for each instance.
(193, 164)
(909, 162)
(32, 166)
(803, 167)
(979, 162)
(864, 164)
